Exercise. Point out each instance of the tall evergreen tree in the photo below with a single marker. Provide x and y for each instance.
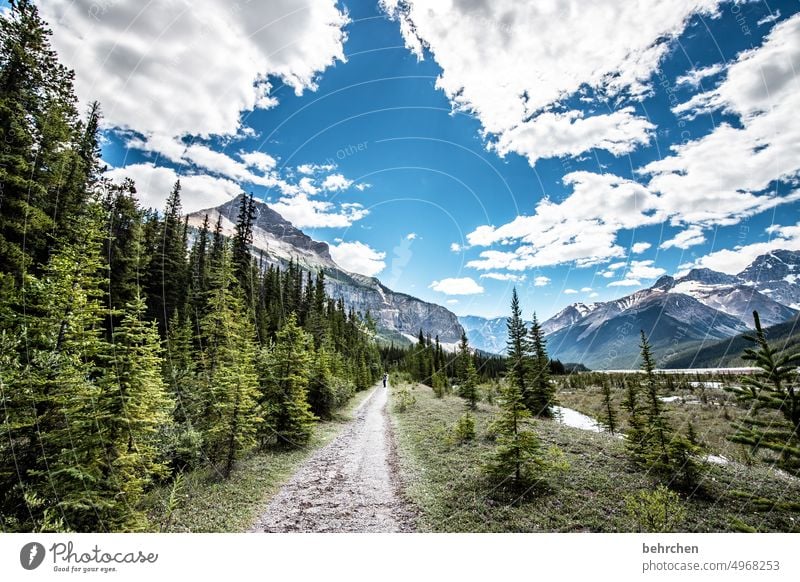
(231, 380)
(467, 376)
(541, 395)
(289, 415)
(773, 389)
(518, 348)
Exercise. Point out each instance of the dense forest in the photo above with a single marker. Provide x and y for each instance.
(127, 354)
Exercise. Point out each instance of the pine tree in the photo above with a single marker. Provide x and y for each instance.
(636, 435)
(541, 395)
(231, 381)
(467, 376)
(773, 389)
(289, 415)
(167, 283)
(133, 411)
(608, 417)
(37, 115)
(518, 361)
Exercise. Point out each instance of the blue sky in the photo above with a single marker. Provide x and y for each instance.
(413, 138)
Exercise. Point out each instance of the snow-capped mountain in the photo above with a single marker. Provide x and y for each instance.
(700, 306)
(276, 241)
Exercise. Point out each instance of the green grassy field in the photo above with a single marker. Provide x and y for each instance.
(209, 503)
(444, 479)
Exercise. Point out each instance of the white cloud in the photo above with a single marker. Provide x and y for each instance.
(335, 182)
(358, 257)
(724, 176)
(495, 66)
(310, 169)
(690, 237)
(305, 212)
(412, 236)
(582, 228)
(625, 283)
(505, 277)
(643, 270)
(586, 289)
(362, 186)
(570, 134)
(456, 248)
(541, 281)
(154, 183)
(593, 295)
(769, 18)
(453, 286)
(695, 76)
(570, 291)
(640, 247)
(258, 160)
(733, 261)
(179, 67)
(452, 302)
(715, 180)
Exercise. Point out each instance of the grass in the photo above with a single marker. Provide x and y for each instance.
(209, 503)
(444, 479)
(712, 411)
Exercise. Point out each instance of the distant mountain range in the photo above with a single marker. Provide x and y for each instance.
(677, 314)
(399, 316)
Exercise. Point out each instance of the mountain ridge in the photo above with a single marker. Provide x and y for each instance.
(399, 316)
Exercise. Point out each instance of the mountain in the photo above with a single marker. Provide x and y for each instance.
(608, 336)
(678, 314)
(488, 335)
(276, 241)
(728, 352)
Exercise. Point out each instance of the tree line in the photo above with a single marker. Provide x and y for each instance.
(133, 347)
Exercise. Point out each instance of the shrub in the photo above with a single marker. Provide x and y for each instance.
(465, 428)
(656, 511)
(404, 399)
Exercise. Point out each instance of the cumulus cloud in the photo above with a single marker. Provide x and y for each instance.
(733, 261)
(582, 228)
(457, 286)
(640, 247)
(541, 281)
(504, 277)
(310, 169)
(625, 283)
(179, 67)
(494, 66)
(690, 237)
(456, 248)
(715, 180)
(154, 183)
(358, 257)
(570, 134)
(570, 291)
(586, 289)
(412, 236)
(305, 212)
(335, 182)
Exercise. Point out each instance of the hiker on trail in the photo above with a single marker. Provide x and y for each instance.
(385, 379)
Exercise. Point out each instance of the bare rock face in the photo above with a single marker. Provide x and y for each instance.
(276, 241)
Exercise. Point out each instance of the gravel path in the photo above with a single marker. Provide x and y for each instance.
(349, 485)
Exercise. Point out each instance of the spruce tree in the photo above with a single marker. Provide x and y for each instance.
(133, 412)
(288, 412)
(773, 389)
(541, 395)
(231, 381)
(518, 361)
(467, 375)
(608, 416)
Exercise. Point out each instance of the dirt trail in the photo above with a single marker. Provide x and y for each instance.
(349, 485)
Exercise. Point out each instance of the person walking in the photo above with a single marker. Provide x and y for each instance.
(385, 379)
